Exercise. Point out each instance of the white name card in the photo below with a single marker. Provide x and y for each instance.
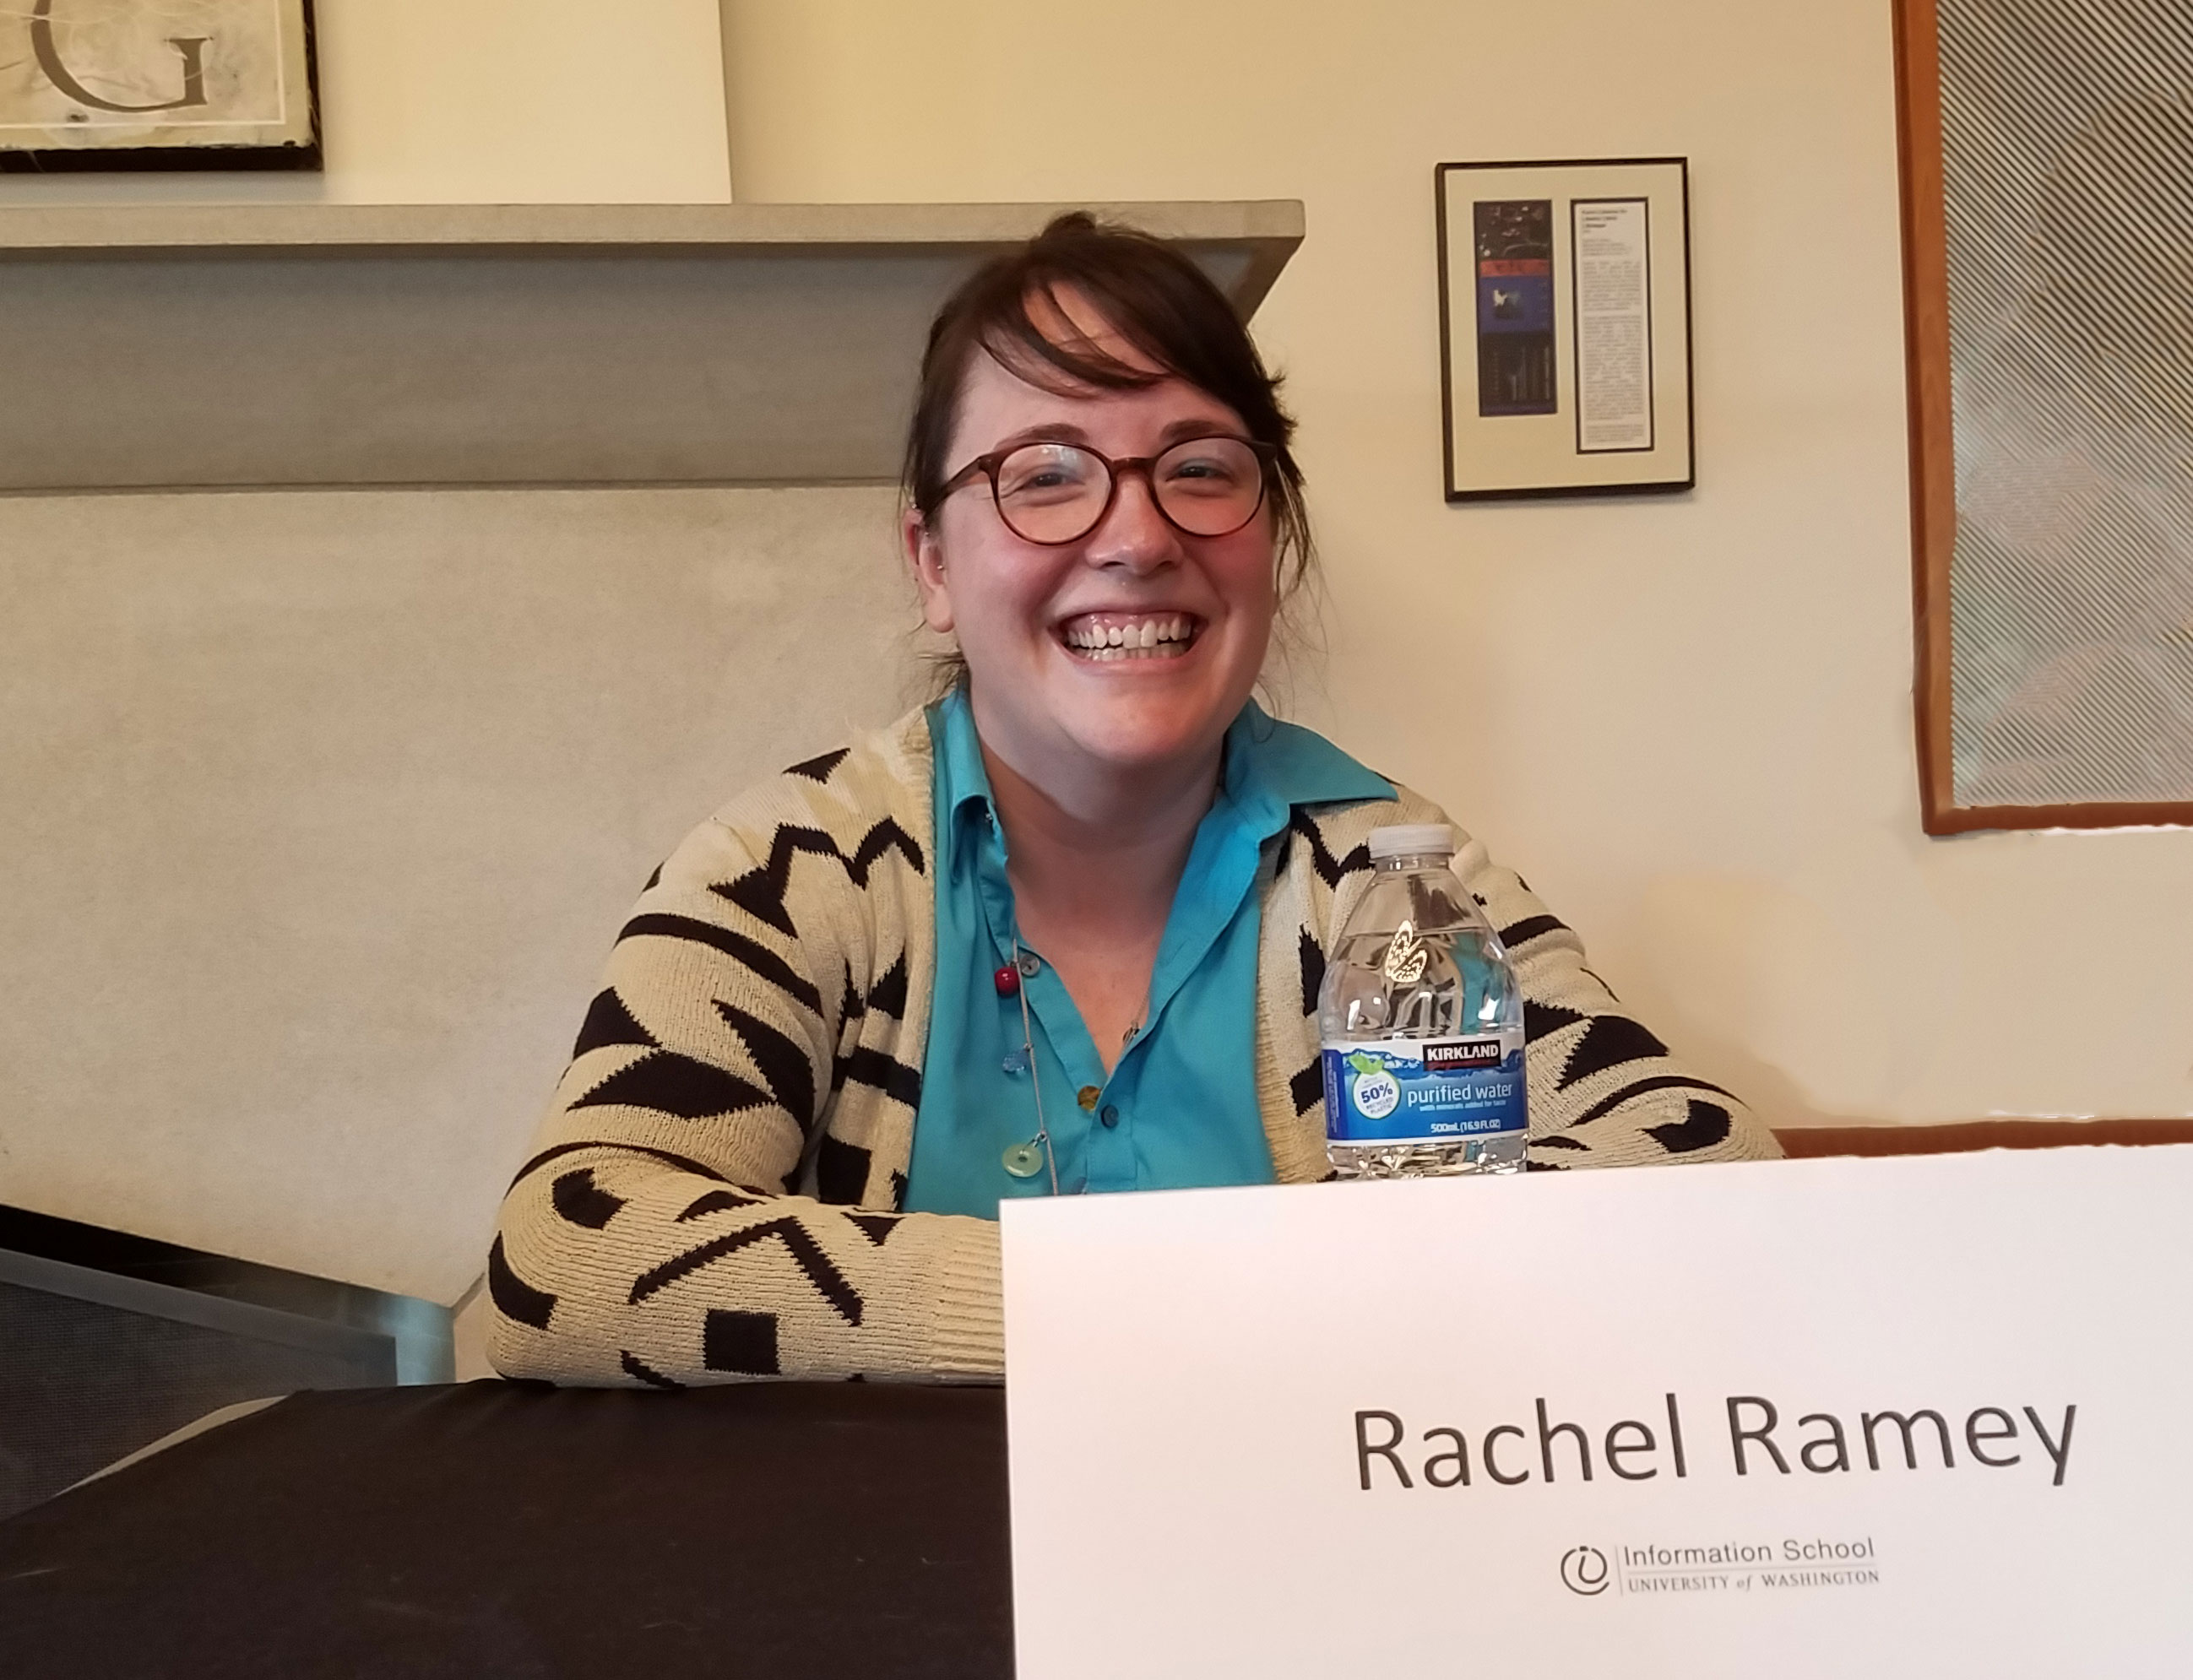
(1919, 1417)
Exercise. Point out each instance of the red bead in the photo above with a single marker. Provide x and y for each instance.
(1007, 979)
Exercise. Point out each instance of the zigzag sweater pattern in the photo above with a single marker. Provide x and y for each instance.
(717, 1185)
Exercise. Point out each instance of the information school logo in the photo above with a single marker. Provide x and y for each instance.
(1584, 1571)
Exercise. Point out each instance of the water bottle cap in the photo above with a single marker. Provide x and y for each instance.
(1413, 840)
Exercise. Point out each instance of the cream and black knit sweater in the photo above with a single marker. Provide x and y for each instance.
(716, 1191)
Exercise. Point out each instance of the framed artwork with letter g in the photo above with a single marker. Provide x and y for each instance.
(1564, 327)
(161, 84)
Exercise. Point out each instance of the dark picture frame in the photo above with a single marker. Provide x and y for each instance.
(1565, 327)
(212, 84)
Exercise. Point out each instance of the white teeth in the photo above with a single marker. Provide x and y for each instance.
(1139, 639)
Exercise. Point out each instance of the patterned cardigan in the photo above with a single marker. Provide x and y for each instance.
(716, 1191)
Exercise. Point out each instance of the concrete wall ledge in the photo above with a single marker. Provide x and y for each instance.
(232, 346)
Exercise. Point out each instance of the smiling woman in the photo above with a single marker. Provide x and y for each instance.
(1060, 931)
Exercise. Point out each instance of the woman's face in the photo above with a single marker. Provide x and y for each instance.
(1028, 616)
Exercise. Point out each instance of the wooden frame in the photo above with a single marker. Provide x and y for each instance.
(1933, 468)
(1958, 1137)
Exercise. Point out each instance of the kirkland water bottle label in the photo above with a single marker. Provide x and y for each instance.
(1416, 1090)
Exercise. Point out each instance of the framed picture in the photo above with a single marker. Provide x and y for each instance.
(165, 84)
(1564, 327)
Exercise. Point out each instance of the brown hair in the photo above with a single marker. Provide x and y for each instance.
(1160, 302)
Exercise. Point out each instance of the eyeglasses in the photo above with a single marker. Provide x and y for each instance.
(1058, 493)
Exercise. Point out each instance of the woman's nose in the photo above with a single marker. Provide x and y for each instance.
(1133, 534)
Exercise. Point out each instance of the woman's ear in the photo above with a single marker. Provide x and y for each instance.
(924, 558)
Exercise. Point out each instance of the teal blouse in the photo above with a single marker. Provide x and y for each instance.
(1179, 1108)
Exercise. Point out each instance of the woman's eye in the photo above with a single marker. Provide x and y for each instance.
(1203, 472)
(1050, 485)
(1046, 474)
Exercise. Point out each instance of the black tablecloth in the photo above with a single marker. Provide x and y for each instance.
(506, 1529)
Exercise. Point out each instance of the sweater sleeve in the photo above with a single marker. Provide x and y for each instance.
(655, 1237)
(1604, 1090)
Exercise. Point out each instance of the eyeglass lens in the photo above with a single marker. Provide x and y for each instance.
(1054, 492)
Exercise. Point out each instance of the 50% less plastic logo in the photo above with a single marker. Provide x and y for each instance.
(1584, 1571)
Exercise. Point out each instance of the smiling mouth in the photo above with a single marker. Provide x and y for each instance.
(1101, 637)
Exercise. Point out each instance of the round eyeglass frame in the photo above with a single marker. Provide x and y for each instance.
(986, 467)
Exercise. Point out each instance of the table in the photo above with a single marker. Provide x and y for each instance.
(497, 1528)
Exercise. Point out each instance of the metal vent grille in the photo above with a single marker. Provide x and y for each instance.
(2068, 181)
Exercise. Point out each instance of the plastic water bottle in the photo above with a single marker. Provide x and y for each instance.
(1421, 1024)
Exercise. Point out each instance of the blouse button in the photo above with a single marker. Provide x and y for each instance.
(1088, 1096)
(1110, 1116)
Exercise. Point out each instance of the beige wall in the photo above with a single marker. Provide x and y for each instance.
(1687, 721)
(323, 810)
(318, 811)
(488, 102)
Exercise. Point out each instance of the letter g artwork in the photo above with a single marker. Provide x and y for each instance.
(191, 47)
(108, 84)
